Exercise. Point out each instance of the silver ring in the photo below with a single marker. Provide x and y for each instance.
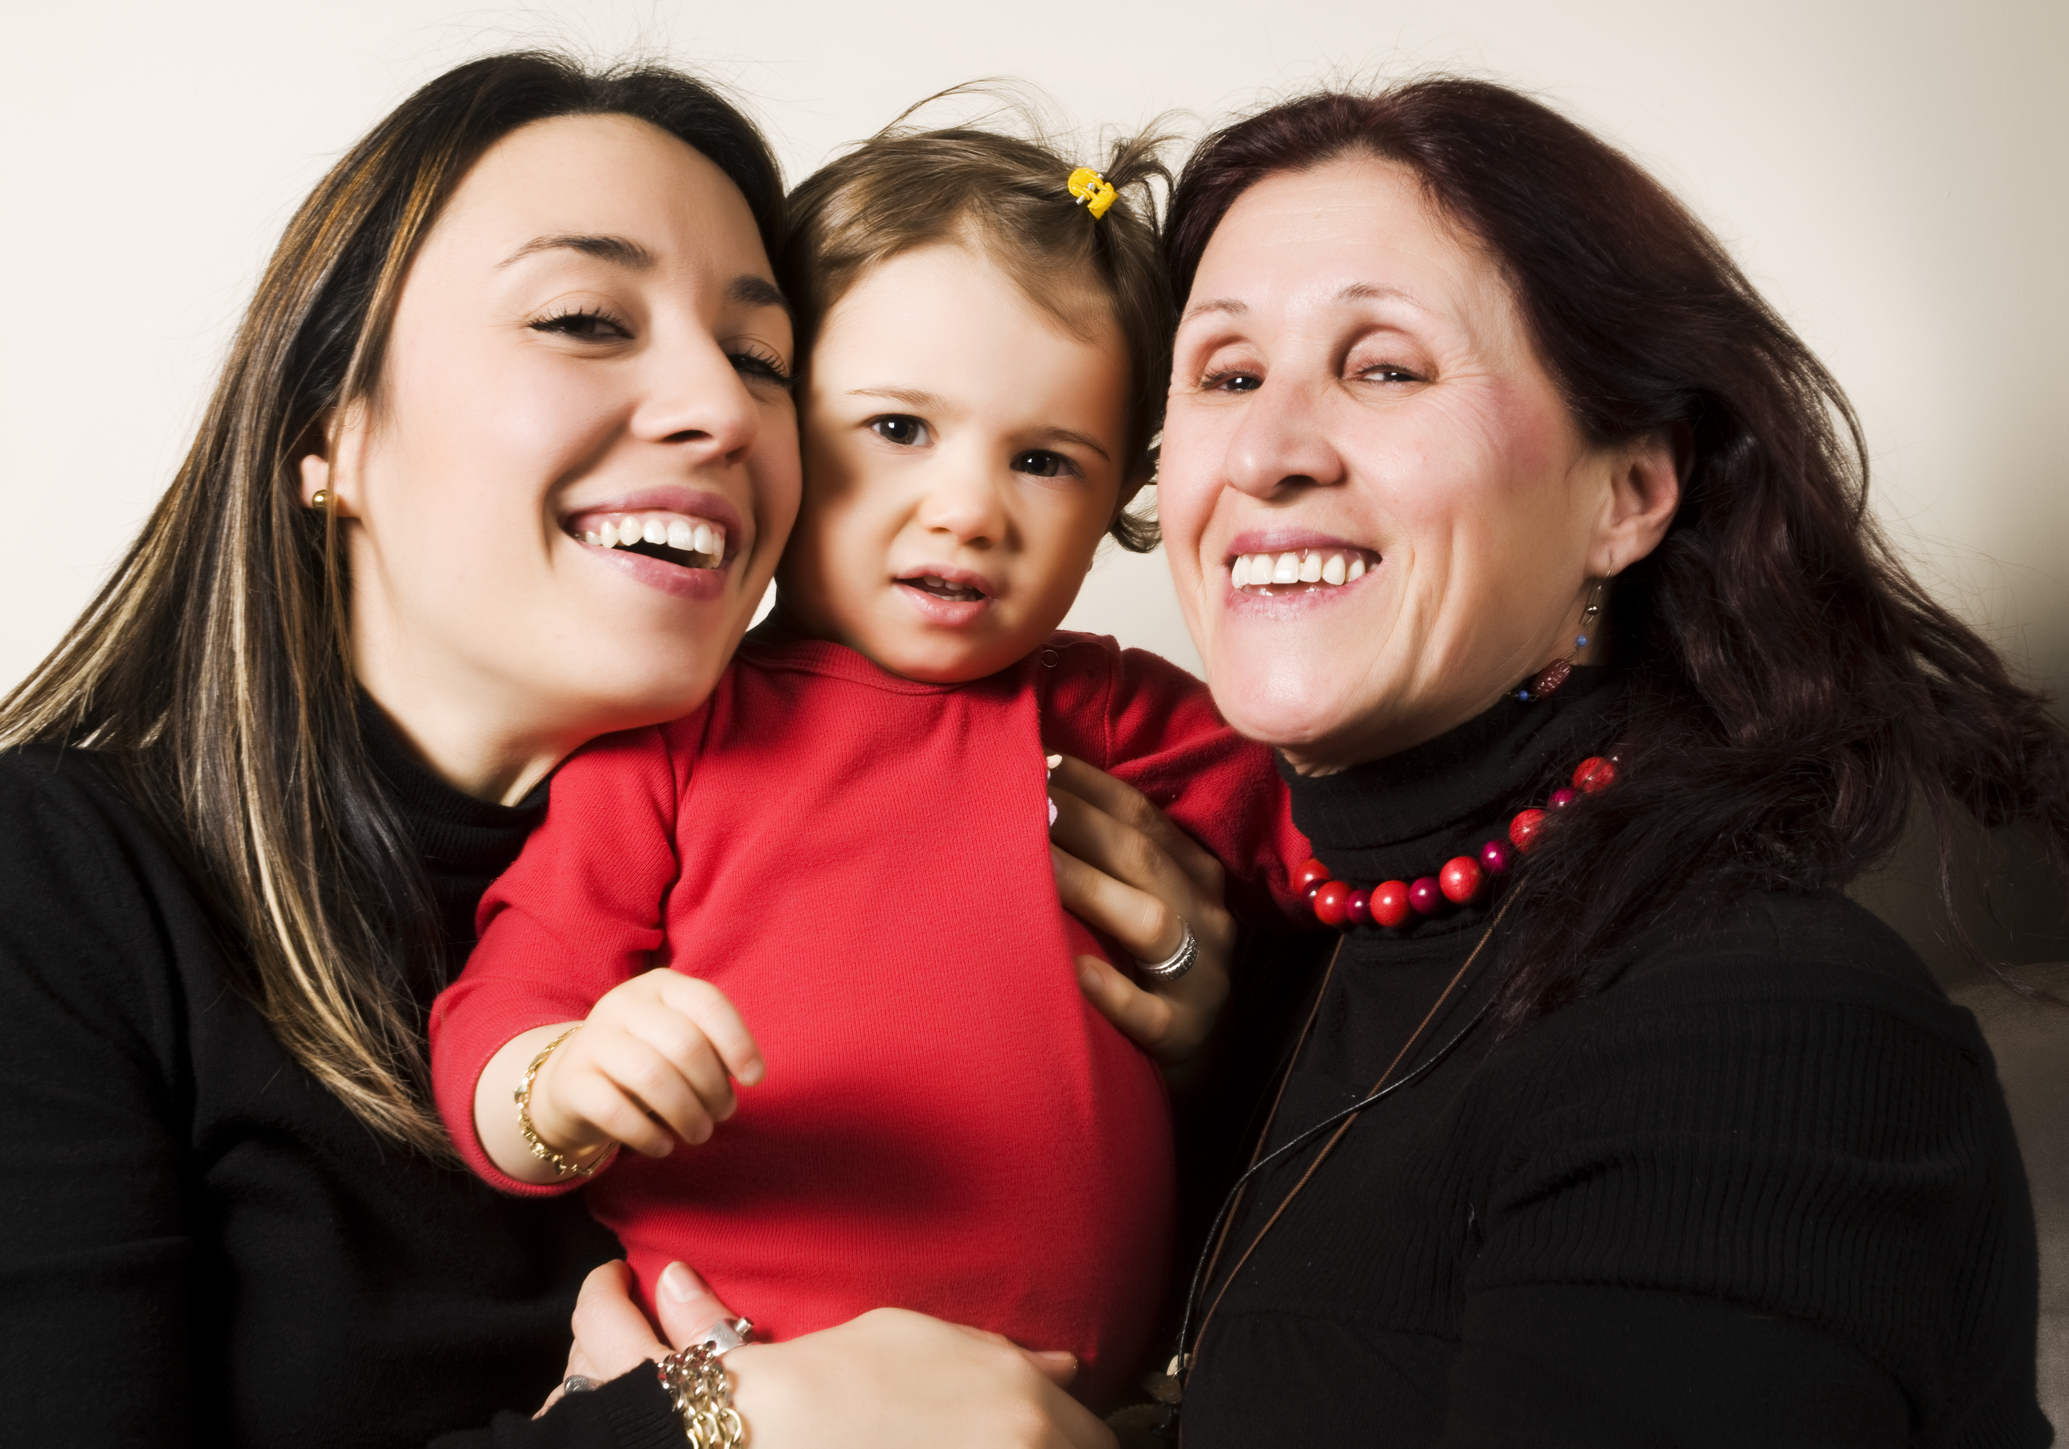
(577, 1384)
(726, 1335)
(1177, 963)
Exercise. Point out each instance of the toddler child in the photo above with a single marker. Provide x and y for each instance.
(840, 864)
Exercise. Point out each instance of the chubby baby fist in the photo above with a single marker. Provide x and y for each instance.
(655, 1060)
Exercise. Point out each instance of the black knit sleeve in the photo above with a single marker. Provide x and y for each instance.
(97, 1260)
(1752, 1196)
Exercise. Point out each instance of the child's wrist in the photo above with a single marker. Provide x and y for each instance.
(566, 1152)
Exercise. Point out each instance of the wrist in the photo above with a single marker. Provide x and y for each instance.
(566, 1155)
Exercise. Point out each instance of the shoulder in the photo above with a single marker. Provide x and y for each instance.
(97, 922)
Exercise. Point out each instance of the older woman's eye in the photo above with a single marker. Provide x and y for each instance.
(906, 432)
(1388, 372)
(1231, 382)
(1043, 464)
(588, 324)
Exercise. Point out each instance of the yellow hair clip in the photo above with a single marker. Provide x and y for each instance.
(1092, 190)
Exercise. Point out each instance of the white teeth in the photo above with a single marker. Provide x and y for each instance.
(681, 535)
(702, 539)
(607, 536)
(592, 537)
(1256, 570)
(656, 531)
(678, 533)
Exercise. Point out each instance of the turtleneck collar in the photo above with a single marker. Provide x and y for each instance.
(463, 842)
(1403, 816)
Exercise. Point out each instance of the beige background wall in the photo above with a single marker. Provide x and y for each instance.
(1895, 175)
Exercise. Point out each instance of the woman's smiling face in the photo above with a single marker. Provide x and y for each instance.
(570, 491)
(1355, 397)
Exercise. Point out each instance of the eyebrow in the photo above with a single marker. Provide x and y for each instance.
(913, 397)
(1355, 292)
(623, 251)
(745, 290)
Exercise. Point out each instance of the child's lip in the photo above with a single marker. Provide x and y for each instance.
(951, 575)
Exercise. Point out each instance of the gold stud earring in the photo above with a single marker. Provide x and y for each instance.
(320, 498)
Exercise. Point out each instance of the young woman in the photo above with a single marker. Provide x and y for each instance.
(248, 805)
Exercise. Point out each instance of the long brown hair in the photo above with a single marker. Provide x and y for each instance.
(1792, 686)
(213, 672)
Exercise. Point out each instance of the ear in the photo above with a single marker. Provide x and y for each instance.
(329, 453)
(1644, 492)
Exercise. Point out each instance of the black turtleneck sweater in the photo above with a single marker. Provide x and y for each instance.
(1760, 1188)
(201, 1245)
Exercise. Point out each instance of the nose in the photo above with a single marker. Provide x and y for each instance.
(1282, 442)
(966, 507)
(697, 399)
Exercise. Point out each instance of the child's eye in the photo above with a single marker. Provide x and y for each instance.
(1043, 464)
(906, 432)
(587, 324)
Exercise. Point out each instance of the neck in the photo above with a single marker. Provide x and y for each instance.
(481, 744)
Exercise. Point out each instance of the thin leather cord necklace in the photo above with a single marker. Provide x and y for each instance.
(1170, 1386)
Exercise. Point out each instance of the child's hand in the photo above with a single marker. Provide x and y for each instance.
(654, 1061)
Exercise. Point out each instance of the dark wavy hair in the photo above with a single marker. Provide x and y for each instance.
(212, 674)
(1793, 689)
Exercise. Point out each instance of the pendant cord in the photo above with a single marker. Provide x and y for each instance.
(1188, 1342)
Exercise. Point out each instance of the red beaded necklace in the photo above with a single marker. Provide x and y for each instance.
(1463, 880)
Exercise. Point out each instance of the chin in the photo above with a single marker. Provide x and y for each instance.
(1288, 699)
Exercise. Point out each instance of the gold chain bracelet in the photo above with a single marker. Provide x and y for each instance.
(702, 1393)
(562, 1165)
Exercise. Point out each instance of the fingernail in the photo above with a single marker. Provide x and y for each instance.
(1088, 976)
(1052, 812)
(1054, 760)
(679, 1283)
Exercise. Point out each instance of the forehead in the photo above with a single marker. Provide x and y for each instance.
(596, 174)
(1355, 229)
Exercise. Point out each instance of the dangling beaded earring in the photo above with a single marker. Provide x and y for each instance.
(1555, 673)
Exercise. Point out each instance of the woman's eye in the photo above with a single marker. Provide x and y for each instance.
(1042, 463)
(761, 367)
(1387, 372)
(587, 325)
(904, 431)
(1231, 382)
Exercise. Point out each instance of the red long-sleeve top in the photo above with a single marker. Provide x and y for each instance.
(861, 864)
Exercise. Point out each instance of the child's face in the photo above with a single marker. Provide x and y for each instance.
(962, 460)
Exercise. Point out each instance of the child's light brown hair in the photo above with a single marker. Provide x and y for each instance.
(1008, 197)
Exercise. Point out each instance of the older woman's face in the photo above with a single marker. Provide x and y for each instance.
(1355, 402)
(570, 493)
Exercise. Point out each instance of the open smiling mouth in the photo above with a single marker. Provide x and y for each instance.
(1301, 568)
(940, 588)
(691, 543)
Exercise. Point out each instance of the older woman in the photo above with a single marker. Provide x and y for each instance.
(1501, 504)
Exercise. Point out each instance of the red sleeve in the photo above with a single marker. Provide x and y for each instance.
(1148, 722)
(576, 914)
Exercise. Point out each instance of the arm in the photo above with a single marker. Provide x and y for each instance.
(98, 1254)
(566, 936)
(887, 1380)
(1736, 1203)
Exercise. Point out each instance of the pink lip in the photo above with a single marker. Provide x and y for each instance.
(667, 498)
(1289, 540)
(948, 613)
(700, 584)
